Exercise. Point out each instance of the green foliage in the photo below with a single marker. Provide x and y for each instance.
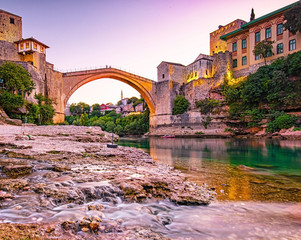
(33, 114)
(84, 119)
(135, 101)
(283, 121)
(207, 105)
(110, 126)
(46, 113)
(181, 105)
(264, 49)
(255, 116)
(129, 125)
(297, 129)
(10, 101)
(16, 79)
(132, 100)
(292, 19)
(79, 108)
(270, 87)
(46, 110)
(96, 107)
(206, 122)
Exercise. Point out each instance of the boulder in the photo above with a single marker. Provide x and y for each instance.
(17, 170)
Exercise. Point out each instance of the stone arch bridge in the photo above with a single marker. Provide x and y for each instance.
(155, 94)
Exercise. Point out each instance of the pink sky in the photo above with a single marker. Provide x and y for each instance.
(134, 35)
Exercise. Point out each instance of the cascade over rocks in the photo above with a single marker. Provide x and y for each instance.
(56, 170)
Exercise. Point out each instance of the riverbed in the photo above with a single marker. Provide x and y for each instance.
(78, 188)
(258, 184)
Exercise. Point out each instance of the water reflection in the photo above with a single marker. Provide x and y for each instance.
(262, 170)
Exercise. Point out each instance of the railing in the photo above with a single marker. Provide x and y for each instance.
(101, 67)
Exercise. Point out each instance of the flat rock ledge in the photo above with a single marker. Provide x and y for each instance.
(72, 165)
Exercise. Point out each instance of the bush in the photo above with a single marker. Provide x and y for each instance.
(10, 101)
(283, 121)
(181, 105)
(207, 105)
(84, 120)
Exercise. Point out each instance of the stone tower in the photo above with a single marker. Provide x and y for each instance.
(10, 27)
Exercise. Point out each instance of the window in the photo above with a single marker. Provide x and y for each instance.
(234, 63)
(279, 48)
(42, 49)
(269, 53)
(257, 37)
(268, 33)
(244, 60)
(21, 46)
(27, 45)
(12, 20)
(257, 57)
(292, 45)
(234, 47)
(280, 29)
(35, 46)
(163, 75)
(244, 43)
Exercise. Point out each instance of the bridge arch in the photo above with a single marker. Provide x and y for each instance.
(74, 80)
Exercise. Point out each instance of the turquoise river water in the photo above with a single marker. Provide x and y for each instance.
(258, 185)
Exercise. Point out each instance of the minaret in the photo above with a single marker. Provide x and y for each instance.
(252, 17)
(121, 95)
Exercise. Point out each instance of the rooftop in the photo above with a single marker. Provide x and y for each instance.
(32, 39)
(2, 11)
(264, 17)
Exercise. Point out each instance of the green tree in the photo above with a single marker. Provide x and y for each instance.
(292, 19)
(16, 79)
(46, 110)
(181, 105)
(96, 107)
(75, 109)
(10, 101)
(264, 49)
(132, 100)
(110, 126)
(84, 119)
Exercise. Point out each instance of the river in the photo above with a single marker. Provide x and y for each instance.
(258, 185)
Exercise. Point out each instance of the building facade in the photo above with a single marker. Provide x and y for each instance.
(242, 41)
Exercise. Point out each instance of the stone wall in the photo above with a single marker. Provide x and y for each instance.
(197, 90)
(10, 27)
(8, 51)
(222, 63)
(171, 72)
(54, 90)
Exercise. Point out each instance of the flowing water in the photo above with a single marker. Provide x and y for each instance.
(258, 185)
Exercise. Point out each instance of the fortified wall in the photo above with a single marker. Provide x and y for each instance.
(31, 55)
(196, 82)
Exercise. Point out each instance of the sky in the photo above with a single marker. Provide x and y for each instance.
(133, 35)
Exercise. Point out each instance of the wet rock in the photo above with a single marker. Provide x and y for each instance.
(69, 225)
(61, 168)
(95, 207)
(245, 168)
(17, 170)
(4, 195)
(13, 185)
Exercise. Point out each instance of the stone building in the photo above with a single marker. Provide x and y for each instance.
(31, 55)
(242, 41)
(201, 67)
(216, 43)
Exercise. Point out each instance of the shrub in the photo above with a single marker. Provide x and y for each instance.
(181, 105)
(207, 105)
(283, 121)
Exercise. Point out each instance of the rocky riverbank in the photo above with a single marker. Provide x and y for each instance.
(55, 183)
